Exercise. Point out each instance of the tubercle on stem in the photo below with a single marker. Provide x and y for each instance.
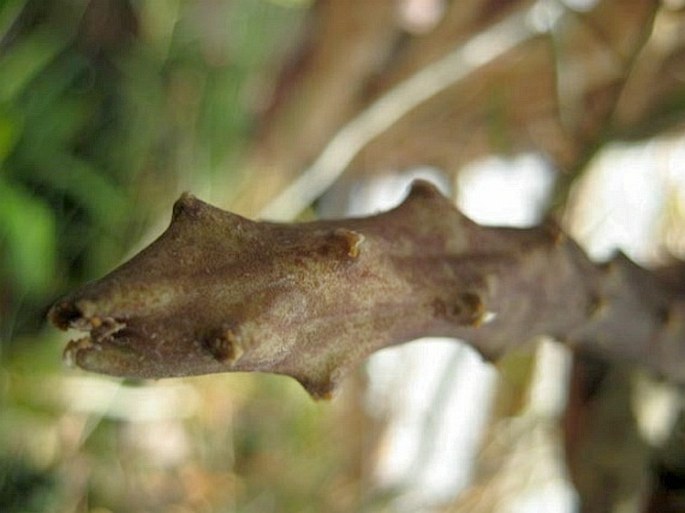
(217, 292)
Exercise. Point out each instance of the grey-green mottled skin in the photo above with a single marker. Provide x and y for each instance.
(217, 292)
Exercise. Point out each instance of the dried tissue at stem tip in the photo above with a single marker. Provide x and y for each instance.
(217, 292)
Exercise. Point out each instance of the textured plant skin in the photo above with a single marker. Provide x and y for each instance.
(217, 292)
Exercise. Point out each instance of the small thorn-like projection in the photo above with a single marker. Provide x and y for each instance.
(217, 292)
(352, 240)
(554, 232)
(73, 348)
(226, 347)
(322, 390)
(597, 306)
(470, 308)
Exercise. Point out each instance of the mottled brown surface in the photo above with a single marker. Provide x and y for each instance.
(218, 292)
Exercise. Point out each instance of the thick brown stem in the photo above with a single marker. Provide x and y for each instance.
(217, 292)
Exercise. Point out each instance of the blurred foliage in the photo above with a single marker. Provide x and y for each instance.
(108, 109)
(24, 489)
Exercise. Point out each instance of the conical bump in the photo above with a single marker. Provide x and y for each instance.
(225, 347)
(596, 306)
(424, 189)
(467, 309)
(187, 204)
(63, 314)
(337, 243)
(319, 389)
(350, 240)
(188, 207)
(78, 314)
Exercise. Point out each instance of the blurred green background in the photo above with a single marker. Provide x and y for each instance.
(108, 110)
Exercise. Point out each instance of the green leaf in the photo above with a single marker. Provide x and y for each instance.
(27, 236)
(26, 59)
(105, 201)
(9, 12)
(9, 133)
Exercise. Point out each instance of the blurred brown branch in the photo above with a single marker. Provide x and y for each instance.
(573, 81)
